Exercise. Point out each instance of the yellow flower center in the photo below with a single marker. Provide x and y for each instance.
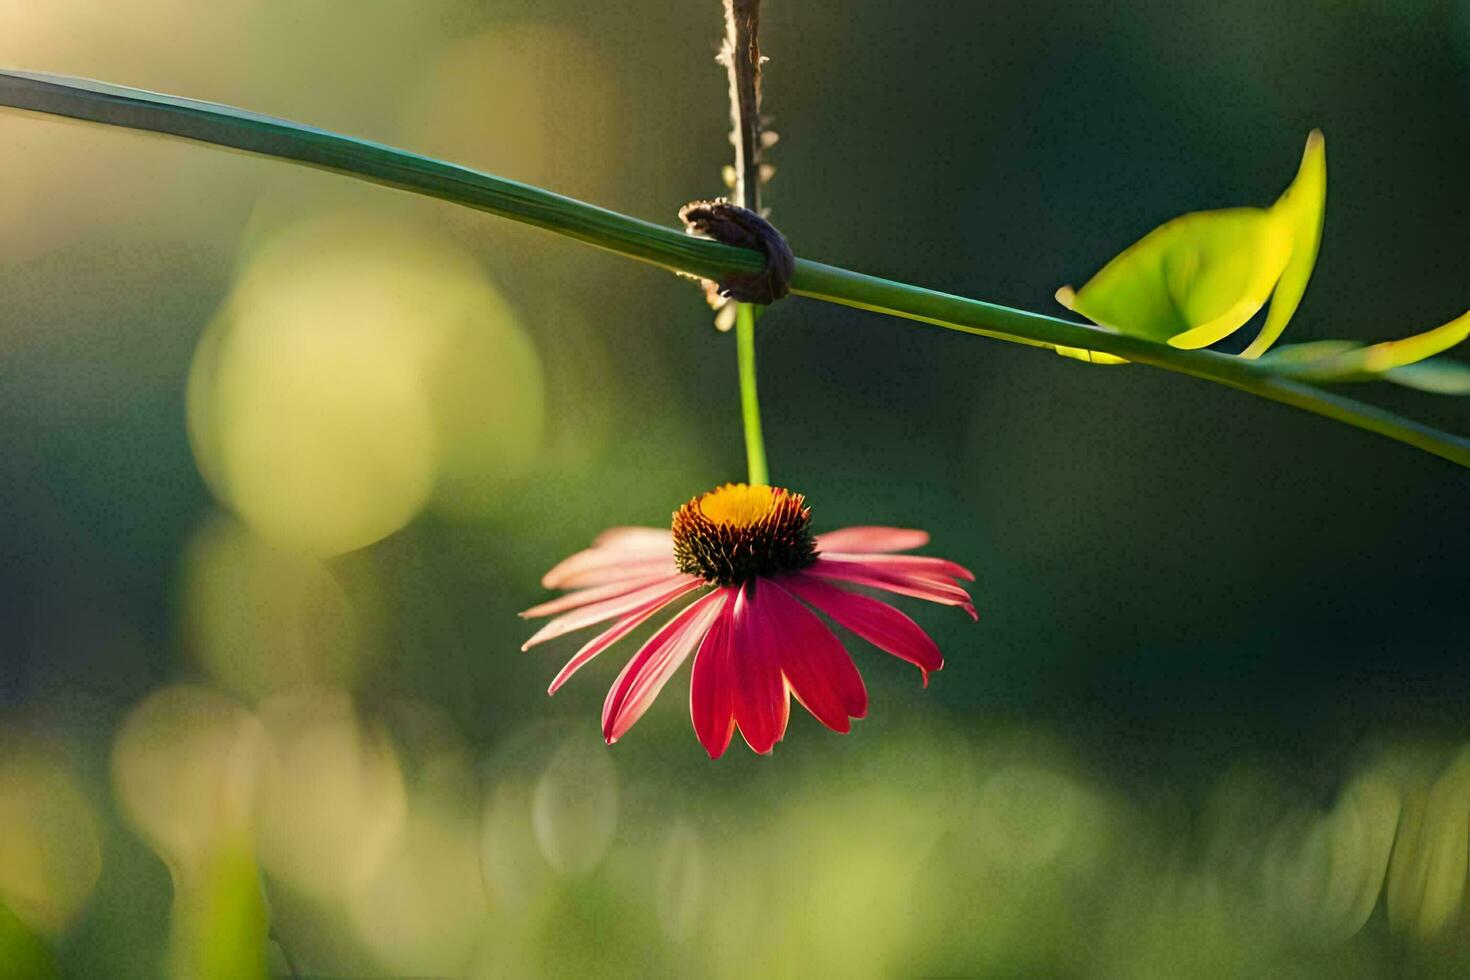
(738, 504)
(739, 532)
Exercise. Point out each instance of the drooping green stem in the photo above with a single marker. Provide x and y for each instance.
(671, 249)
(750, 404)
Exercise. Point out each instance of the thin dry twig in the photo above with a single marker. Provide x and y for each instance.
(741, 56)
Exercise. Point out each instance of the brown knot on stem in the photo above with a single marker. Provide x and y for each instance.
(743, 228)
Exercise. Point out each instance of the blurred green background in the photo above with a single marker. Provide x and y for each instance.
(284, 455)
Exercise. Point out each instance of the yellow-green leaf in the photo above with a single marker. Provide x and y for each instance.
(1411, 350)
(1303, 205)
(1199, 278)
(1437, 375)
(1409, 361)
(1313, 350)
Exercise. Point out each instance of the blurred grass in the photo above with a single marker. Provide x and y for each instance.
(1206, 626)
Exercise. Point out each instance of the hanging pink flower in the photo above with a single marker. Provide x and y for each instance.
(758, 572)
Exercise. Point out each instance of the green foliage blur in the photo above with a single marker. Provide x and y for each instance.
(284, 456)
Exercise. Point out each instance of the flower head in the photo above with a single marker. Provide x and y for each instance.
(747, 555)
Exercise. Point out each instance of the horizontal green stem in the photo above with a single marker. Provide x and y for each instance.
(221, 125)
(669, 248)
(835, 285)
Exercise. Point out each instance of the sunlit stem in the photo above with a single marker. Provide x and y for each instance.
(750, 405)
(634, 238)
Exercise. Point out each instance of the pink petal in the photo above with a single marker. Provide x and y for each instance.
(711, 698)
(603, 640)
(585, 597)
(650, 668)
(875, 621)
(655, 595)
(934, 590)
(644, 539)
(646, 567)
(907, 564)
(597, 566)
(872, 539)
(588, 558)
(762, 705)
(817, 668)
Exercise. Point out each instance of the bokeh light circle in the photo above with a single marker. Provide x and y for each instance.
(359, 365)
